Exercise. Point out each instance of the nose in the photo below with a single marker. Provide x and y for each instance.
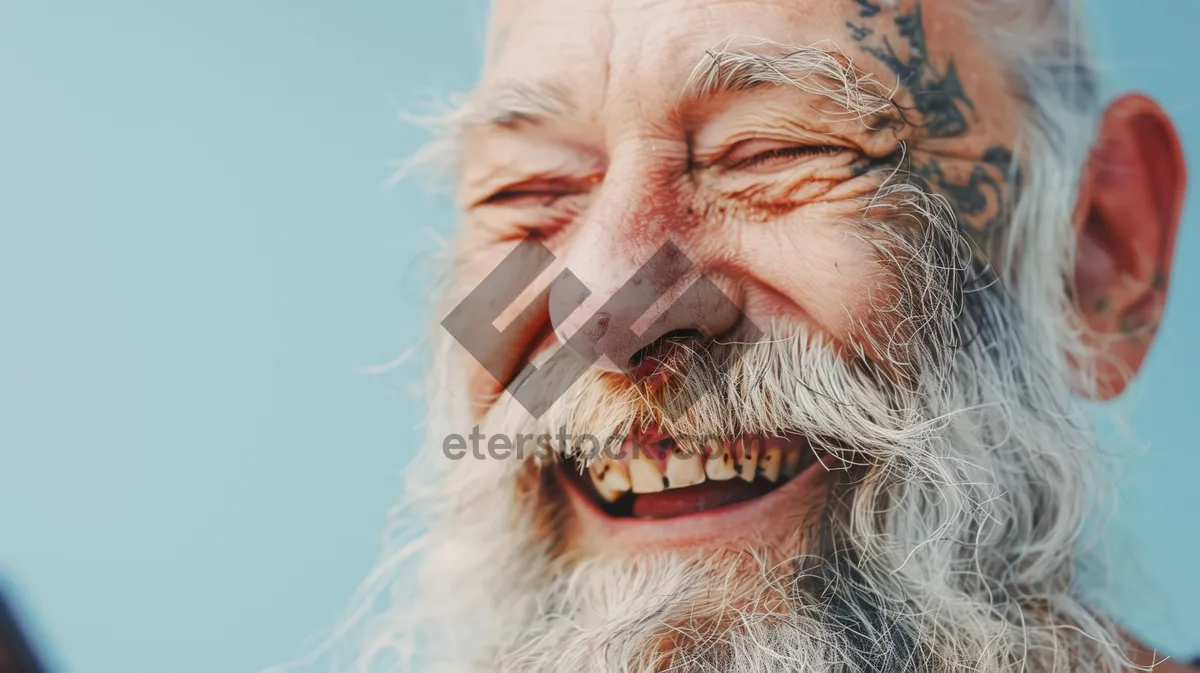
(614, 312)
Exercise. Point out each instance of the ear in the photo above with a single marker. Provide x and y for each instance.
(1130, 201)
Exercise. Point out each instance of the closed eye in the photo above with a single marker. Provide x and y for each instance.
(531, 193)
(777, 157)
(523, 196)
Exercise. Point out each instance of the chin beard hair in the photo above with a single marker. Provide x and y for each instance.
(949, 545)
(730, 610)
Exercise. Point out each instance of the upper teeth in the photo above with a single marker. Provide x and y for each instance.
(791, 464)
(748, 465)
(684, 471)
(645, 476)
(610, 478)
(719, 466)
(641, 473)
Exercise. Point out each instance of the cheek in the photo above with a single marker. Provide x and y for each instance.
(492, 292)
(809, 268)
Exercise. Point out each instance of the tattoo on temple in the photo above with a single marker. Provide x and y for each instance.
(943, 110)
(866, 8)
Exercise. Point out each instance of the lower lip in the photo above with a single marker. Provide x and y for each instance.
(755, 518)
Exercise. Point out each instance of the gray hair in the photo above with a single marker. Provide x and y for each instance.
(1044, 45)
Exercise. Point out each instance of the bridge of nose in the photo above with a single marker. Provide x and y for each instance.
(633, 253)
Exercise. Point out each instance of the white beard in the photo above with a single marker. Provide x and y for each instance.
(953, 549)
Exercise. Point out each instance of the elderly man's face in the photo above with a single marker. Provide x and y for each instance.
(749, 135)
(810, 263)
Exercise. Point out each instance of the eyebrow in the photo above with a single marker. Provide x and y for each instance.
(812, 69)
(518, 103)
(825, 72)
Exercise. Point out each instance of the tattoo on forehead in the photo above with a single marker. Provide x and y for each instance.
(938, 96)
(943, 110)
(866, 8)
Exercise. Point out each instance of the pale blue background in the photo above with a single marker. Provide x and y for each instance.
(195, 256)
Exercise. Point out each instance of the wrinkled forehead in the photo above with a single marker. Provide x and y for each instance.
(594, 53)
(605, 43)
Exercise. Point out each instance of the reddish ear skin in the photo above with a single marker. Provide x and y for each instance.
(1146, 659)
(1130, 202)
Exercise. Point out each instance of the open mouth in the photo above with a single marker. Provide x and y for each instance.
(652, 477)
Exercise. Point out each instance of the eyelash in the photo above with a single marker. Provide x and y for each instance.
(551, 203)
(785, 153)
(548, 197)
(508, 196)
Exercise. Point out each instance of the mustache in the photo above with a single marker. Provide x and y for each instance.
(794, 384)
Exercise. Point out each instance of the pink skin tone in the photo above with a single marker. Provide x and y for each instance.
(627, 163)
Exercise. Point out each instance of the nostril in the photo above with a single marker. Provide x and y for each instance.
(646, 359)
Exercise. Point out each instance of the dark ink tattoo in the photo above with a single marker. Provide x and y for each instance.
(859, 32)
(937, 96)
(1128, 327)
(867, 9)
(980, 200)
(944, 110)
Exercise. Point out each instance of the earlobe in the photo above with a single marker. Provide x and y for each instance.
(1130, 202)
